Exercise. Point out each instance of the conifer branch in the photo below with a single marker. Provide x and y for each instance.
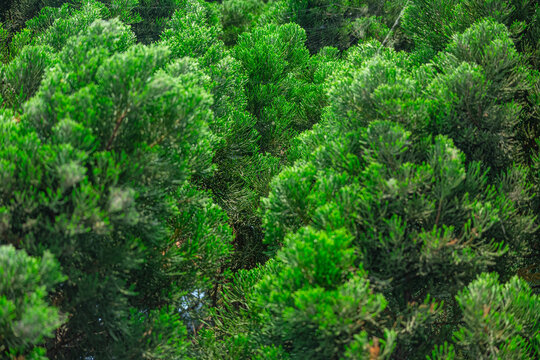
(439, 208)
(116, 127)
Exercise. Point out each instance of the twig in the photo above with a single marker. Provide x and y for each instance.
(116, 127)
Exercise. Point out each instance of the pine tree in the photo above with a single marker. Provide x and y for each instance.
(98, 171)
(234, 180)
(21, 78)
(25, 316)
(261, 103)
(374, 196)
(480, 93)
(431, 24)
(499, 321)
(421, 225)
(238, 16)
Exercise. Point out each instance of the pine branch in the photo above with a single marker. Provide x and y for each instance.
(116, 127)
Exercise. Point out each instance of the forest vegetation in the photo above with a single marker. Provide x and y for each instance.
(269, 179)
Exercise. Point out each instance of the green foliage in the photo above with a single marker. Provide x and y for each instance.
(124, 10)
(474, 92)
(499, 321)
(4, 44)
(281, 50)
(421, 223)
(422, 217)
(194, 31)
(368, 28)
(20, 11)
(65, 27)
(237, 16)
(529, 41)
(21, 78)
(253, 117)
(317, 302)
(68, 19)
(327, 23)
(152, 16)
(97, 171)
(479, 94)
(25, 317)
(249, 185)
(268, 93)
(431, 24)
(342, 23)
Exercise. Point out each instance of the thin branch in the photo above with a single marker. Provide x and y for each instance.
(216, 288)
(116, 127)
(159, 140)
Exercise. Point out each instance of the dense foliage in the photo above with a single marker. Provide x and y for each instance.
(269, 179)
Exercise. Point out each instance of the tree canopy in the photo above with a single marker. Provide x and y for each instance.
(269, 179)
